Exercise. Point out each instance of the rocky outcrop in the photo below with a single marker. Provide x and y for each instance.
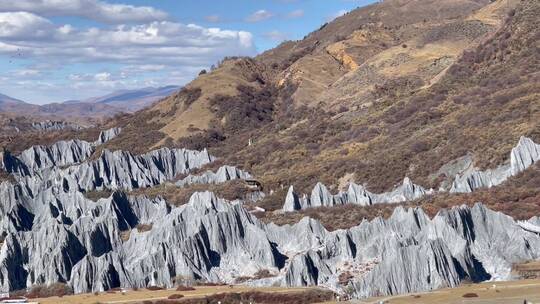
(120, 170)
(467, 179)
(60, 154)
(52, 233)
(107, 135)
(96, 246)
(522, 156)
(53, 125)
(64, 166)
(356, 194)
(223, 174)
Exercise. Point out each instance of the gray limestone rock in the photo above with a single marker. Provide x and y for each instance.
(96, 246)
(53, 125)
(223, 174)
(52, 233)
(107, 135)
(522, 156)
(356, 194)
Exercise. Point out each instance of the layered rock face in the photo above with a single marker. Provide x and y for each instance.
(107, 135)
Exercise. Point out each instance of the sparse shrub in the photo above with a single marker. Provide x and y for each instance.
(470, 295)
(53, 290)
(303, 297)
(175, 296)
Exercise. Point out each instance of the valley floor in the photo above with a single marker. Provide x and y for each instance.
(489, 292)
(143, 295)
(512, 292)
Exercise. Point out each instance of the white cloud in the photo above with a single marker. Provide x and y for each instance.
(105, 76)
(259, 15)
(296, 14)
(91, 9)
(138, 46)
(22, 25)
(158, 42)
(146, 68)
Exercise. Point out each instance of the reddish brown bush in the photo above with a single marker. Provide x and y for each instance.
(175, 296)
(305, 297)
(470, 295)
(184, 288)
(54, 290)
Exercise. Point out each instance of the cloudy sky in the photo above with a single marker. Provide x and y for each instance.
(57, 50)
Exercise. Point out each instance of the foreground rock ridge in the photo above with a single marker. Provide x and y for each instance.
(51, 232)
(522, 156)
(95, 246)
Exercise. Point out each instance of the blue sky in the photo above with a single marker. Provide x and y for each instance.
(57, 50)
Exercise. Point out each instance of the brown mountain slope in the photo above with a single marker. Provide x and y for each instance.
(369, 97)
(302, 71)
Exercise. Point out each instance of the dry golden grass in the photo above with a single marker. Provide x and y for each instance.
(491, 14)
(513, 292)
(222, 81)
(148, 295)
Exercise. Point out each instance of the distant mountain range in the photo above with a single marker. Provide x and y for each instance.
(91, 108)
(130, 100)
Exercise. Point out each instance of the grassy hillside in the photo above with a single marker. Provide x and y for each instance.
(369, 98)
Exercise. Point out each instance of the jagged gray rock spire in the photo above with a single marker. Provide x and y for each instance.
(52, 233)
(96, 246)
(54, 125)
(119, 170)
(59, 154)
(107, 135)
(356, 194)
(522, 156)
(223, 174)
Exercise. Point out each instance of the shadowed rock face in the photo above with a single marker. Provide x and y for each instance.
(76, 240)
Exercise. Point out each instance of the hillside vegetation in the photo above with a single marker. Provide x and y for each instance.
(399, 88)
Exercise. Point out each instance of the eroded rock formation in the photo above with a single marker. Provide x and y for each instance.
(97, 246)
(223, 174)
(525, 154)
(356, 194)
(53, 125)
(467, 179)
(51, 232)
